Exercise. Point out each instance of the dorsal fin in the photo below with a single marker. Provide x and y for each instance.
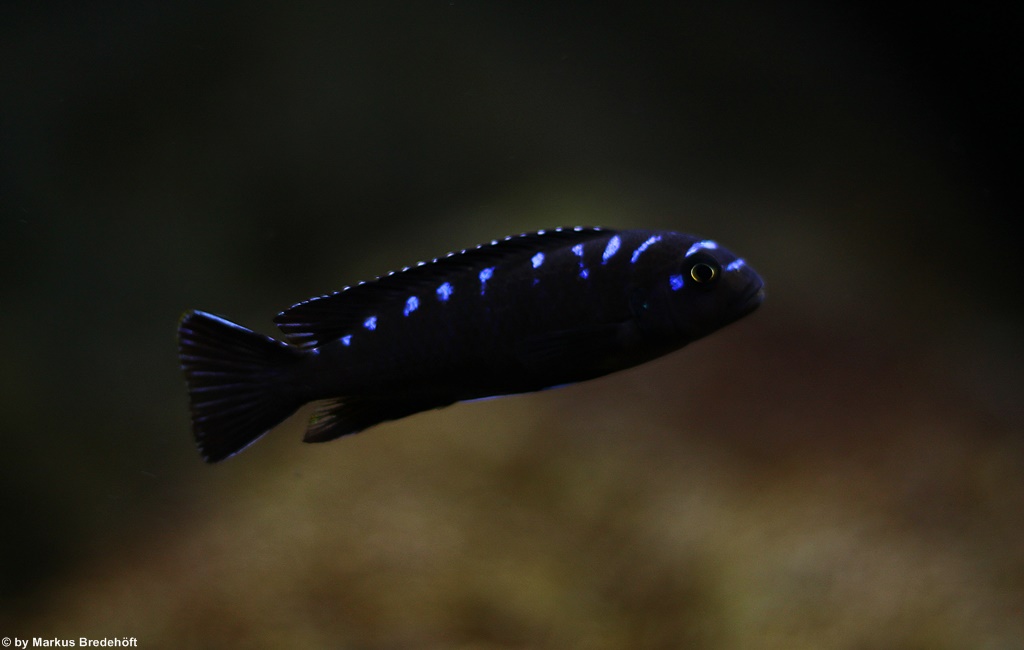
(325, 318)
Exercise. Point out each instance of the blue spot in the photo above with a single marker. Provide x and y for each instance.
(610, 249)
(578, 249)
(644, 246)
(537, 260)
(676, 282)
(411, 305)
(584, 273)
(485, 275)
(370, 323)
(346, 340)
(444, 292)
(735, 264)
(707, 243)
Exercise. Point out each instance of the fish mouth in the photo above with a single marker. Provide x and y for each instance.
(750, 300)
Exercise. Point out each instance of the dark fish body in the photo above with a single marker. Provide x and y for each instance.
(522, 314)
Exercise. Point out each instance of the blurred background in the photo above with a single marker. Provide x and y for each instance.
(842, 469)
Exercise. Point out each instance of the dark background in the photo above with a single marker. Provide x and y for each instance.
(845, 468)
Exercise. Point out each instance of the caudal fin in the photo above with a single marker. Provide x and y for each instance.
(236, 383)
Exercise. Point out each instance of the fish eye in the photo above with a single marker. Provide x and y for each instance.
(704, 272)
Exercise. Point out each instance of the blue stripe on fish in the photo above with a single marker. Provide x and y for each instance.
(484, 276)
(444, 292)
(654, 239)
(705, 244)
(611, 249)
(411, 305)
(577, 250)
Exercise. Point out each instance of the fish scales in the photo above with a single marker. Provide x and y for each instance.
(516, 315)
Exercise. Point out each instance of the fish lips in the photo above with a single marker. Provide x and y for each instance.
(750, 300)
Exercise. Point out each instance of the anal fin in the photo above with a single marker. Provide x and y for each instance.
(342, 416)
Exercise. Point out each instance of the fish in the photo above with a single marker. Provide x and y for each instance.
(525, 313)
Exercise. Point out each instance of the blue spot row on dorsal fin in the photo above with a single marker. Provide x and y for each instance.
(333, 315)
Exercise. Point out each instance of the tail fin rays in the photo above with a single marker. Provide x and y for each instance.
(235, 383)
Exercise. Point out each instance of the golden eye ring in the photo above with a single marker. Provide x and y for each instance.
(702, 273)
